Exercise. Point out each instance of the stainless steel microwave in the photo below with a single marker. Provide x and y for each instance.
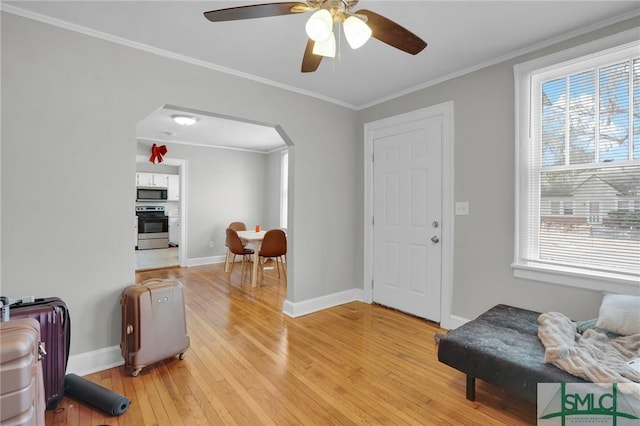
(151, 194)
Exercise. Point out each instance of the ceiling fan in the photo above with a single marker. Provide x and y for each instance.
(358, 26)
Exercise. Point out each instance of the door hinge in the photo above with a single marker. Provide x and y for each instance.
(372, 221)
(372, 157)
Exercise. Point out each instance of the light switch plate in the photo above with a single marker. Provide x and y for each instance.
(462, 208)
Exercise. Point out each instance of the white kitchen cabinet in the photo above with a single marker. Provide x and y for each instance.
(152, 180)
(174, 231)
(173, 188)
(160, 181)
(144, 179)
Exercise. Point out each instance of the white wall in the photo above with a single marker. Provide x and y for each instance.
(484, 163)
(70, 105)
(272, 190)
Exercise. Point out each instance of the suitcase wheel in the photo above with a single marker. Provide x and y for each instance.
(135, 372)
(181, 356)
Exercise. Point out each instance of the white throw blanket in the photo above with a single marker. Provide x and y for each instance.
(592, 355)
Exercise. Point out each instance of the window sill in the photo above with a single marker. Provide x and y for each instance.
(601, 281)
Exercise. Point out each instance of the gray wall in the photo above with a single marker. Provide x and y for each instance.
(484, 163)
(70, 105)
(223, 186)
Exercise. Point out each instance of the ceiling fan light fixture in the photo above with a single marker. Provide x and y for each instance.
(320, 25)
(326, 48)
(184, 120)
(356, 31)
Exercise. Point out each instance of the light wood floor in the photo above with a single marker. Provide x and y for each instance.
(249, 364)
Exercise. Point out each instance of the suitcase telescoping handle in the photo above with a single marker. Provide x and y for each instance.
(152, 281)
(42, 352)
(4, 301)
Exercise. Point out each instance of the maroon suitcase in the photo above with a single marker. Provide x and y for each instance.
(55, 333)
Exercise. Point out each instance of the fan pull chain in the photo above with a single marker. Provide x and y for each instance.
(339, 43)
(333, 60)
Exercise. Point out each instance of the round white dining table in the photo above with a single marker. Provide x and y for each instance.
(255, 239)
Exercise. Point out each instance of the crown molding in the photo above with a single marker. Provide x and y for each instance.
(187, 59)
(163, 53)
(504, 58)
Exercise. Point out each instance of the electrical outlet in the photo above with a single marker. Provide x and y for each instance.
(462, 208)
(210, 244)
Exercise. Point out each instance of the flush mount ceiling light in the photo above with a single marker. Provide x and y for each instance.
(184, 120)
(358, 26)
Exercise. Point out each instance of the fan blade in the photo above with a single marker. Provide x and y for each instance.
(256, 11)
(393, 34)
(310, 62)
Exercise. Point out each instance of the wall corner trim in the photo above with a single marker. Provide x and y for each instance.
(457, 321)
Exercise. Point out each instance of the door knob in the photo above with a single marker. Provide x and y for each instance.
(435, 239)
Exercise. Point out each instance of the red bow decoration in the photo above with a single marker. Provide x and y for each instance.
(157, 152)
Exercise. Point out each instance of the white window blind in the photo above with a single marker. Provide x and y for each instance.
(579, 170)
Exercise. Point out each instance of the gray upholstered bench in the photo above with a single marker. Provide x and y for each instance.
(501, 347)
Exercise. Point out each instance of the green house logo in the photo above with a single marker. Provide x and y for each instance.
(590, 404)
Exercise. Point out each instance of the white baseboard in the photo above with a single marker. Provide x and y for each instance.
(319, 303)
(457, 321)
(94, 361)
(197, 261)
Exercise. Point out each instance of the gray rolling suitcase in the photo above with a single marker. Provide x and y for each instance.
(22, 398)
(154, 323)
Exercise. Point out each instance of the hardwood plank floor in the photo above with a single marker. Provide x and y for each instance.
(249, 364)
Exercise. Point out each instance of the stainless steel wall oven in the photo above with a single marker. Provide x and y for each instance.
(153, 227)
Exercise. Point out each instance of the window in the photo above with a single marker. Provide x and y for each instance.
(578, 140)
(284, 188)
(568, 208)
(594, 212)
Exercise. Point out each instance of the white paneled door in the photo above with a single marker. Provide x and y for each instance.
(407, 214)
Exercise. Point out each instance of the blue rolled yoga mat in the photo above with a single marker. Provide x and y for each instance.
(96, 395)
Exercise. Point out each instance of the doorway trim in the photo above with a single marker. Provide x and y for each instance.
(182, 172)
(445, 111)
